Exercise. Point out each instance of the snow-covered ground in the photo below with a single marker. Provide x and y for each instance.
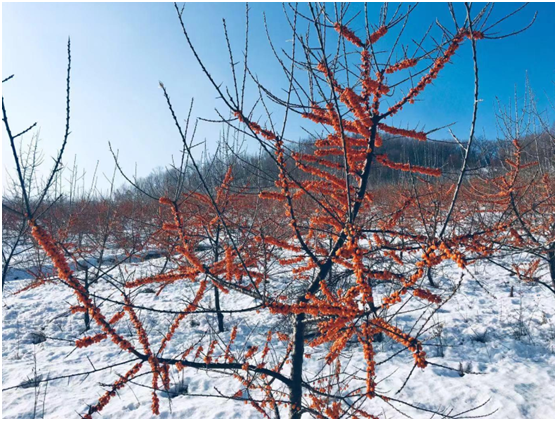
(504, 345)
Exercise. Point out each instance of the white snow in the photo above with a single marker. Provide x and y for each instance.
(510, 341)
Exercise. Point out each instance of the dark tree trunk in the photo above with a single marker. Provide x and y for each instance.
(220, 316)
(297, 368)
(86, 317)
(429, 274)
(551, 261)
(5, 272)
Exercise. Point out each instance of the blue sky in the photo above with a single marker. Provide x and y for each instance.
(120, 52)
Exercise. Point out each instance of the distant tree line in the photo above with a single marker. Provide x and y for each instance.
(258, 171)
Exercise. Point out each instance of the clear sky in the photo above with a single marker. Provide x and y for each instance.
(120, 52)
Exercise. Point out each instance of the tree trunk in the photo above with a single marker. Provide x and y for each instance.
(220, 316)
(86, 317)
(430, 277)
(297, 368)
(5, 271)
(551, 261)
